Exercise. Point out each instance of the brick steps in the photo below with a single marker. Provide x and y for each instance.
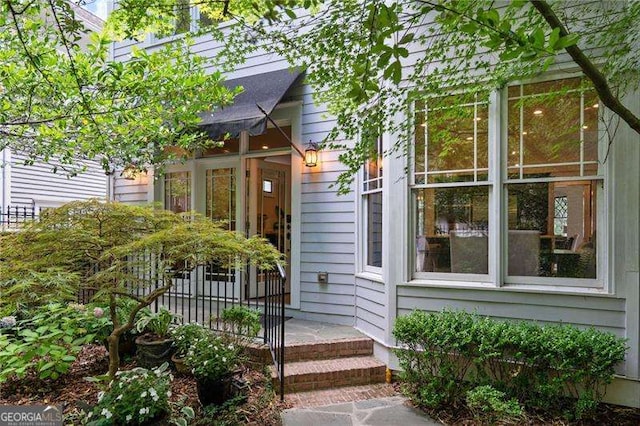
(322, 397)
(325, 374)
(314, 366)
(307, 351)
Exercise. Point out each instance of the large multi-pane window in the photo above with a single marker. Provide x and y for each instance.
(177, 191)
(372, 206)
(553, 179)
(451, 185)
(548, 195)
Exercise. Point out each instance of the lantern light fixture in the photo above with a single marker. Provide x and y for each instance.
(311, 155)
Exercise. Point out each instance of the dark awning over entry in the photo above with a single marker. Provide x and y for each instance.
(264, 89)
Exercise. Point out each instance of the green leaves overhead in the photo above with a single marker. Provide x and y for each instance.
(64, 102)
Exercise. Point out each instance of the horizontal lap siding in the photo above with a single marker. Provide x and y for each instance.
(370, 307)
(604, 313)
(327, 242)
(38, 184)
(131, 191)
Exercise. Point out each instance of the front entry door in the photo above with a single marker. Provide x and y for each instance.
(269, 210)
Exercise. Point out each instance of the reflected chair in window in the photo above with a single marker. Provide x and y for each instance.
(524, 253)
(469, 252)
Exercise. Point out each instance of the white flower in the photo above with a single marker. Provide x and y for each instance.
(106, 413)
(128, 418)
(119, 397)
(168, 394)
(100, 396)
(143, 394)
(144, 411)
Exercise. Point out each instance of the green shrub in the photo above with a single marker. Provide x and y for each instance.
(211, 358)
(46, 343)
(241, 321)
(490, 405)
(158, 323)
(444, 354)
(185, 335)
(135, 397)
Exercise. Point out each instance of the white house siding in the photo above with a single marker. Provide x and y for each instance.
(134, 191)
(604, 313)
(327, 240)
(371, 307)
(37, 185)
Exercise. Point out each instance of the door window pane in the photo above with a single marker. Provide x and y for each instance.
(177, 191)
(452, 230)
(221, 196)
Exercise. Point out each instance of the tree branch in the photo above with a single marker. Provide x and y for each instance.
(589, 69)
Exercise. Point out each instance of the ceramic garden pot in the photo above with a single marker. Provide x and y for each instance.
(153, 352)
(181, 366)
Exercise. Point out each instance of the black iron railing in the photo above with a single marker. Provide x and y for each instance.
(12, 217)
(204, 292)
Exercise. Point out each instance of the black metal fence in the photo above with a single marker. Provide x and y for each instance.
(204, 292)
(13, 217)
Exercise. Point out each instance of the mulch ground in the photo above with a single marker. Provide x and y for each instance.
(75, 393)
(607, 414)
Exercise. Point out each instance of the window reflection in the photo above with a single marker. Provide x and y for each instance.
(177, 191)
(552, 229)
(452, 230)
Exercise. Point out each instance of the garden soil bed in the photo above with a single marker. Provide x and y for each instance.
(74, 393)
(607, 415)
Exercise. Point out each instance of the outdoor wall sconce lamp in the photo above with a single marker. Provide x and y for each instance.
(311, 155)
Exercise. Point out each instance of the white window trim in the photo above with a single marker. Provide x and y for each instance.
(364, 270)
(498, 206)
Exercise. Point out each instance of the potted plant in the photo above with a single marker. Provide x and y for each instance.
(184, 337)
(214, 362)
(155, 346)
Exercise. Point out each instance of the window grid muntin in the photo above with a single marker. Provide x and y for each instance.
(520, 167)
(420, 178)
(373, 184)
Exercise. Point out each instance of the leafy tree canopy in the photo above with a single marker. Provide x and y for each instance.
(369, 59)
(61, 101)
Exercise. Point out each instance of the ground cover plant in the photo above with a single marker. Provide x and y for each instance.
(558, 369)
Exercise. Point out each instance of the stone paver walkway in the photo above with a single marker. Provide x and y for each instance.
(372, 412)
(297, 331)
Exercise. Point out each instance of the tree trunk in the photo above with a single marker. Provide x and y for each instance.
(114, 356)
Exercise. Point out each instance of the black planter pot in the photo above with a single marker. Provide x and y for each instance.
(214, 392)
(153, 353)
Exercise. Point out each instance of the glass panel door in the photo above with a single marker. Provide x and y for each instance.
(269, 209)
(221, 282)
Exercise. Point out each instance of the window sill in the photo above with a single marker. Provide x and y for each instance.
(516, 288)
(371, 276)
